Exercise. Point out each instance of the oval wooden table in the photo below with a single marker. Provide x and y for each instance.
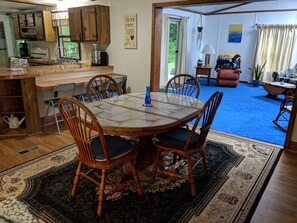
(125, 115)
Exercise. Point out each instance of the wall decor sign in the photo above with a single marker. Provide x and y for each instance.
(235, 33)
(131, 31)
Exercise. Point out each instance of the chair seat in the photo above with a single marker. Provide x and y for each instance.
(117, 147)
(228, 74)
(177, 138)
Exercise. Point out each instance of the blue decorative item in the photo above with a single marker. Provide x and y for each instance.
(147, 100)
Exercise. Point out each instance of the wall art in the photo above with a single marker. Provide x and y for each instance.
(235, 33)
(131, 31)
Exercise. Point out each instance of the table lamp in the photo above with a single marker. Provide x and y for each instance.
(207, 50)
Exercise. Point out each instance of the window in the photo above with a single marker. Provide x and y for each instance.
(67, 49)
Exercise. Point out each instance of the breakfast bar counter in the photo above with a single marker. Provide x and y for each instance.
(23, 91)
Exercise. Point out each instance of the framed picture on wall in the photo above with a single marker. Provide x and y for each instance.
(131, 31)
(235, 33)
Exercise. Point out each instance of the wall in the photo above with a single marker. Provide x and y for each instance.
(217, 29)
(133, 62)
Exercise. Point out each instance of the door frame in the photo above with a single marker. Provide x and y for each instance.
(157, 9)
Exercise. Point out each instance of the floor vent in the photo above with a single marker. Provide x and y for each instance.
(28, 150)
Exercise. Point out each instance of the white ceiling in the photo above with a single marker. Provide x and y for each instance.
(241, 7)
(9, 6)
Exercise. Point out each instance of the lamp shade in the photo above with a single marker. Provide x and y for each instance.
(208, 49)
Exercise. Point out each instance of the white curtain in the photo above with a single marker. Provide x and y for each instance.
(181, 66)
(275, 44)
(164, 50)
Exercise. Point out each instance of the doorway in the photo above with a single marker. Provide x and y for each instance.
(174, 26)
(155, 56)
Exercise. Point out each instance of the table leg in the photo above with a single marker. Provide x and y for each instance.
(146, 151)
(208, 79)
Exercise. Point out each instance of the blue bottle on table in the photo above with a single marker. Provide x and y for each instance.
(147, 100)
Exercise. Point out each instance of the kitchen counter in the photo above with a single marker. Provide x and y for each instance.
(37, 71)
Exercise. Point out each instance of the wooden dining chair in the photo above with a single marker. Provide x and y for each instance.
(183, 84)
(102, 86)
(187, 144)
(98, 151)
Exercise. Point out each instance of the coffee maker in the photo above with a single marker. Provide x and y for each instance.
(99, 58)
(24, 50)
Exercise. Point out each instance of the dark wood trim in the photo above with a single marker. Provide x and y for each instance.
(188, 10)
(292, 146)
(155, 50)
(289, 142)
(230, 7)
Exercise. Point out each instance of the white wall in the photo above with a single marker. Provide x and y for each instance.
(133, 62)
(217, 29)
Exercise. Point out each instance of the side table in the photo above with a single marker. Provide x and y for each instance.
(204, 71)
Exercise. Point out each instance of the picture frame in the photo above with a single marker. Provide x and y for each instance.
(130, 31)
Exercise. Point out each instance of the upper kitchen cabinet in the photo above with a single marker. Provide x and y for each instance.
(90, 24)
(16, 26)
(34, 26)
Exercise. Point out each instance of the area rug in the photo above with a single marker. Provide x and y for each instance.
(39, 190)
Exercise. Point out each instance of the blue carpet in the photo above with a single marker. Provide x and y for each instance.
(245, 111)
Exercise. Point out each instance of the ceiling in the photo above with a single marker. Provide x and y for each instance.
(13, 6)
(19, 5)
(243, 7)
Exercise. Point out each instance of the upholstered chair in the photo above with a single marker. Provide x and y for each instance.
(228, 77)
(228, 69)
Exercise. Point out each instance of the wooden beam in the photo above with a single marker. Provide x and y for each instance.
(231, 7)
(32, 2)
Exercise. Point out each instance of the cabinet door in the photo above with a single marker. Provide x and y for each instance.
(74, 17)
(89, 24)
(39, 25)
(22, 20)
(30, 19)
(16, 27)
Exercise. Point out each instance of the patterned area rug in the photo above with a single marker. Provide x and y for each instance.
(39, 191)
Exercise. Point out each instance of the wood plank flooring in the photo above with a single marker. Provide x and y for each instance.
(278, 203)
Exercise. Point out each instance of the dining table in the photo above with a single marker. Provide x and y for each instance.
(128, 115)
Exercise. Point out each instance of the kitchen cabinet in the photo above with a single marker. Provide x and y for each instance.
(19, 97)
(90, 24)
(16, 26)
(34, 26)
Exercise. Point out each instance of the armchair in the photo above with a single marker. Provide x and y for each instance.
(228, 69)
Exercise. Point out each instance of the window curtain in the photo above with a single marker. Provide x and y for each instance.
(274, 44)
(164, 50)
(181, 66)
(60, 18)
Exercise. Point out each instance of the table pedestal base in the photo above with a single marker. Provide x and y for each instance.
(146, 152)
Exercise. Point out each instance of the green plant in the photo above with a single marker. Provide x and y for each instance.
(258, 70)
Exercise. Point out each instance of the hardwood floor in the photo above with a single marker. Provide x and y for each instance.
(278, 203)
(47, 141)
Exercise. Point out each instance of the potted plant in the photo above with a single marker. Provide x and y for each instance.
(199, 63)
(257, 71)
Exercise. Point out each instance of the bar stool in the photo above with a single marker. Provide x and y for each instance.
(58, 91)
